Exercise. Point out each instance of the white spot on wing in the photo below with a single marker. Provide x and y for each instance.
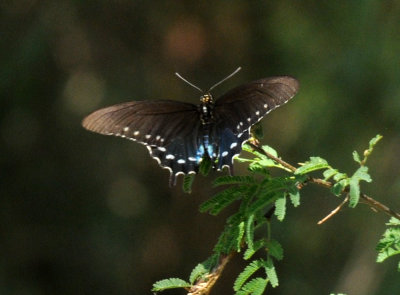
(148, 136)
(234, 156)
(192, 159)
(126, 128)
(248, 119)
(234, 144)
(265, 106)
(136, 133)
(158, 137)
(170, 157)
(181, 161)
(161, 148)
(157, 159)
(258, 113)
(224, 154)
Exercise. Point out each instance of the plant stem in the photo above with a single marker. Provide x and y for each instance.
(365, 198)
(203, 287)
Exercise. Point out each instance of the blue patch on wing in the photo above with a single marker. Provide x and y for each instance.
(200, 151)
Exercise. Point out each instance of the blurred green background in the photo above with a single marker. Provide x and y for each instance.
(87, 214)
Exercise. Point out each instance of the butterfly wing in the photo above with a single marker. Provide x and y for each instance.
(168, 128)
(239, 109)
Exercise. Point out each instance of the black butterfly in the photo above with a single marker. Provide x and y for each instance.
(179, 135)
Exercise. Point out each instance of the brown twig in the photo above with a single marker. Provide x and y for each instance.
(204, 286)
(365, 198)
(333, 212)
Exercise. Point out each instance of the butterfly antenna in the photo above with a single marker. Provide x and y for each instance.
(183, 79)
(226, 78)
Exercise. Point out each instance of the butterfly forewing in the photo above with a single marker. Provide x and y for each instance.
(168, 129)
(148, 122)
(245, 105)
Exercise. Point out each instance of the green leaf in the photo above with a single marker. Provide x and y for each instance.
(354, 192)
(374, 141)
(280, 208)
(246, 273)
(199, 271)
(257, 131)
(256, 246)
(255, 287)
(362, 174)
(340, 176)
(315, 163)
(389, 244)
(221, 200)
(250, 231)
(205, 166)
(393, 221)
(229, 180)
(275, 249)
(356, 157)
(270, 150)
(187, 183)
(264, 200)
(328, 173)
(338, 187)
(271, 273)
(170, 284)
(239, 237)
(295, 198)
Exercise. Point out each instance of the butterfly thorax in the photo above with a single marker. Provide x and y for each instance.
(206, 109)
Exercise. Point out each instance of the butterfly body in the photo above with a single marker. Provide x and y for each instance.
(180, 135)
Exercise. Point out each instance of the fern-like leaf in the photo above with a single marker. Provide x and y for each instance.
(275, 249)
(172, 283)
(246, 273)
(187, 183)
(221, 200)
(280, 207)
(257, 245)
(315, 163)
(255, 287)
(250, 231)
(199, 271)
(226, 180)
(295, 197)
(271, 273)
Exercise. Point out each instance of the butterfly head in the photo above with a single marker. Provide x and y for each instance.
(206, 98)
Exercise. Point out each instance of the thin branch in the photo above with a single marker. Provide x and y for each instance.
(336, 210)
(365, 198)
(204, 286)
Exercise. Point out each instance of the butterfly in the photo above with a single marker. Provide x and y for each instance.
(180, 135)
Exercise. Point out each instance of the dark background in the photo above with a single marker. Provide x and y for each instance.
(87, 214)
